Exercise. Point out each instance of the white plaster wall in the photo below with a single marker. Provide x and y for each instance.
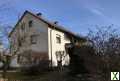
(56, 46)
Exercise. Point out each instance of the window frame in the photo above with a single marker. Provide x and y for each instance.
(30, 23)
(23, 26)
(58, 39)
(19, 42)
(33, 39)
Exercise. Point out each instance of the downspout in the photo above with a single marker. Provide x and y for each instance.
(51, 44)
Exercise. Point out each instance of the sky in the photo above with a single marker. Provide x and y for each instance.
(75, 15)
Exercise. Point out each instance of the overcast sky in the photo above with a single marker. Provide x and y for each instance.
(75, 15)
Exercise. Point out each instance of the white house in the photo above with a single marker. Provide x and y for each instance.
(43, 39)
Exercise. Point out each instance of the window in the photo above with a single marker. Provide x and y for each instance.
(19, 42)
(58, 39)
(18, 58)
(30, 23)
(22, 26)
(33, 39)
(60, 55)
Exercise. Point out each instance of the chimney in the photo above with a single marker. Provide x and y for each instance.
(56, 22)
(39, 14)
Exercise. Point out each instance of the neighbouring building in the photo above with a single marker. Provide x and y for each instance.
(41, 39)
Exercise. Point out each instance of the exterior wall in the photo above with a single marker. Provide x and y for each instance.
(53, 46)
(39, 28)
(46, 41)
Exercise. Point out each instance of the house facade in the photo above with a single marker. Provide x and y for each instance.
(35, 37)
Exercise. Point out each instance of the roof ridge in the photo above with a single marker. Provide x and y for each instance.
(52, 25)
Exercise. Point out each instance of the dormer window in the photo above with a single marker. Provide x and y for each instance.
(30, 23)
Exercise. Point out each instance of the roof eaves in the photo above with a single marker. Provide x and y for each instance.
(17, 23)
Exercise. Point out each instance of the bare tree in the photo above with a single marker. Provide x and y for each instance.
(100, 37)
(106, 42)
(5, 57)
(100, 57)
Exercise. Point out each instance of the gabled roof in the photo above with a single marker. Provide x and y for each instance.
(50, 24)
